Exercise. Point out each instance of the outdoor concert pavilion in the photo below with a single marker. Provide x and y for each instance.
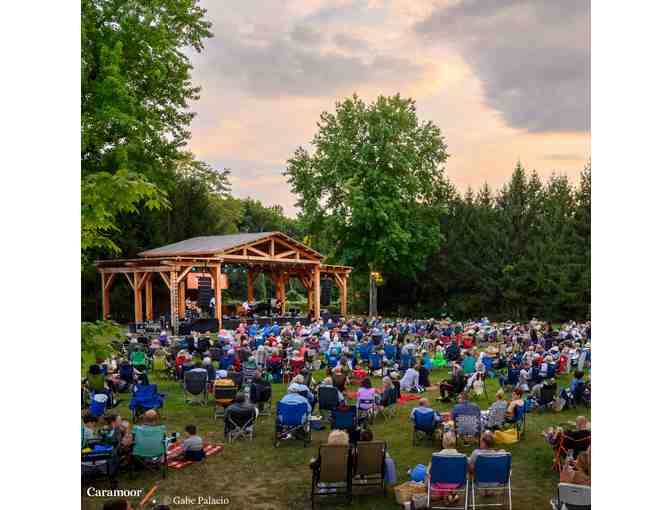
(273, 253)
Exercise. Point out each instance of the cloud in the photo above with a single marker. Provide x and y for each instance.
(532, 56)
(350, 42)
(305, 34)
(278, 66)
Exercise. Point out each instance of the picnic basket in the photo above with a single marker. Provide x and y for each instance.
(404, 492)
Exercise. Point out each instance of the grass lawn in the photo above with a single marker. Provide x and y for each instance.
(255, 475)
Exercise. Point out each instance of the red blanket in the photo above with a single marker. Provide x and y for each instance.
(175, 450)
(405, 397)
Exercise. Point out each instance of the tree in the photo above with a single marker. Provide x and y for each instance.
(135, 88)
(370, 195)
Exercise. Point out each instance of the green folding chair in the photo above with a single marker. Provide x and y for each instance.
(149, 446)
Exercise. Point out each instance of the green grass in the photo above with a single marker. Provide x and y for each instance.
(256, 475)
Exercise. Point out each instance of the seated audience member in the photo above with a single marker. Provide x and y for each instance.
(118, 431)
(423, 377)
(389, 395)
(569, 393)
(464, 407)
(366, 392)
(516, 401)
(366, 435)
(89, 433)
(336, 437)
(297, 386)
(486, 446)
(577, 472)
(339, 379)
(454, 386)
(448, 442)
(496, 414)
(411, 381)
(193, 444)
(150, 418)
(239, 405)
(328, 383)
(423, 408)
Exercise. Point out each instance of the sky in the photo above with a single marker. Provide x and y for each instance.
(504, 80)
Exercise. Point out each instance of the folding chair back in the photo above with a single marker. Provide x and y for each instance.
(492, 468)
(370, 459)
(449, 469)
(291, 415)
(344, 418)
(240, 423)
(334, 463)
(327, 397)
(424, 422)
(573, 497)
(375, 361)
(138, 358)
(195, 381)
(390, 351)
(149, 441)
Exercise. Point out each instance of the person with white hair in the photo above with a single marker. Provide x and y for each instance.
(297, 386)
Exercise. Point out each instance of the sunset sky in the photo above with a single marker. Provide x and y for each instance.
(503, 79)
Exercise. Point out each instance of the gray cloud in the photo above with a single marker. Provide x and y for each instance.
(533, 57)
(279, 66)
(349, 42)
(305, 34)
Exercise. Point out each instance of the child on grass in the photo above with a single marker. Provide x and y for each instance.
(193, 444)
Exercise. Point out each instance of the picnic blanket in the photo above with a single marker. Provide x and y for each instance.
(175, 450)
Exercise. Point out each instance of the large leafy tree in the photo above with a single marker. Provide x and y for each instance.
(370, 193)
(135, 93)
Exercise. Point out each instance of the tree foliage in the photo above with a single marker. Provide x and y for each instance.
(370, 193)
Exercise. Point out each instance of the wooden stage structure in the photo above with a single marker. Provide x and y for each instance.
(273, 253)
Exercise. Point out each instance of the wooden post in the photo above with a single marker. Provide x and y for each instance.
(149, 304)
(216, 273)
(173, 301)
(344, 295)
(182, 299)
(316, 291)
(106, 294)
(137, 293)
(283, 281)
(250, 286)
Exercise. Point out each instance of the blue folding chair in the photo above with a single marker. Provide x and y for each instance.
(518, 421)
(145, 397)
(344, 418)
(364, 351)
(492, 472)
(512, 377)
(292, 419)
(390, 351)
(332, 360)
(406, 360)
(424, 425)
(487, 363)
(375, 362)
(447, 476)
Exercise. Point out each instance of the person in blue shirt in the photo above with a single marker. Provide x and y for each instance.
(464, 407)
(423, 408)
(297, 387)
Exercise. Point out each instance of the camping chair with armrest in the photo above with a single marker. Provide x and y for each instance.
(424, 426)
(327, 398)
(195, 386)
(388, 403)
(447, 476)
(332, 473)
(344, 418)
(375, 362)
(149, 447)
(261, 395)
(366, 409)
(571, 497)
(547, 396)
(390, 351)
(468, 428)
(145, 397)
(292, 420)
(126, 375)
(405, 361)
(138, 359)
(100, 460)
(577, 441)
(518, 421)
(492, 472)
(369, 464)
(237, 378)
(224, 391)
(240, 424)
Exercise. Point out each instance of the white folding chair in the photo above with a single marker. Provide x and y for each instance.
(572, 497)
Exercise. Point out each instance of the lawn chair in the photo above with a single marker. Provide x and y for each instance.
(249, 371)
(195, 386)
(292, 420)
(492, 472)
(366, 409)
(344, 418)
(388, 405)
(138, 359)
(405, 362)
(332, 473)
(240, 424)
(100, 460)
(126, 375)
(375, 362)
(547, 396)
(518, 421)
(145, 397)
(572, 497)
(512, 377)
(369, 464)
(390, 352)
(224, 391)
(261, 395)
(149, 447)
(468, 428)
(488, 364)
(447, 476)
(160, 366)
(327, 398)
(424, 426)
